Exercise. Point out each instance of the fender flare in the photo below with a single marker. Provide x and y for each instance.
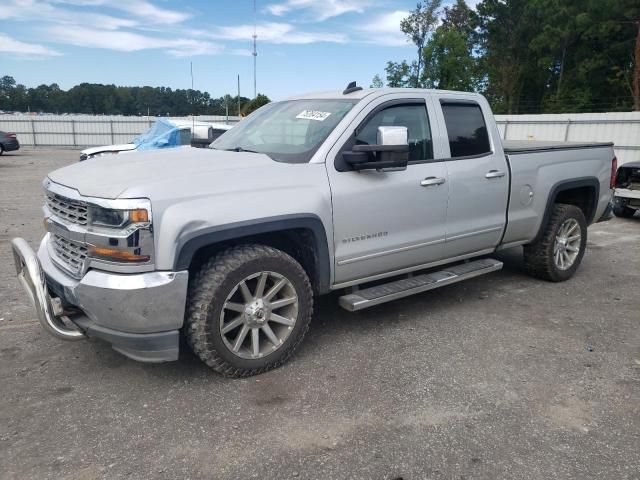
(564, 185)
(194, 241)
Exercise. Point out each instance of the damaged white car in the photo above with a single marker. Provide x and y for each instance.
(626, 200)
(164, 133)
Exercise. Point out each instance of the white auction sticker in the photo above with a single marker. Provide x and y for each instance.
(313, 115)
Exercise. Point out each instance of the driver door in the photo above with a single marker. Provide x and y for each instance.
(387, 221)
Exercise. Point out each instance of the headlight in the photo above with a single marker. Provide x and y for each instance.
(120, 236)
(111, 218)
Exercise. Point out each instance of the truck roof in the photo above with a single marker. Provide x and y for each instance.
(365, 92)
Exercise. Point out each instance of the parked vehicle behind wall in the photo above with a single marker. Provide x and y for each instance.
(626, 198)
(164, 133)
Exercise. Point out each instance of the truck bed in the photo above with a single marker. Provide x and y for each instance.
(514, 147)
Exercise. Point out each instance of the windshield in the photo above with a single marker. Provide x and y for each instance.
(290, 131)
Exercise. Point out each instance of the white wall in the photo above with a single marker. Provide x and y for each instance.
(621, 128)
(83, 130)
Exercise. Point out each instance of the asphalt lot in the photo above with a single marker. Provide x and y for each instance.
(499, 377)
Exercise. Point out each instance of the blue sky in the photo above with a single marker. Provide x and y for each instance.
(303, 45)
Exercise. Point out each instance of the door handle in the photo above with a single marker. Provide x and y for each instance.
(494, 174)
(430, 181)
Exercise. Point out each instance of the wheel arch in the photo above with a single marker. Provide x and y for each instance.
(582, 192)
(301, 236)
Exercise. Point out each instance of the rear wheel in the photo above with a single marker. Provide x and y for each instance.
(623, 211)
(557, 255)
(249, 308)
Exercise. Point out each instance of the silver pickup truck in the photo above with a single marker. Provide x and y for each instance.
(378, 193)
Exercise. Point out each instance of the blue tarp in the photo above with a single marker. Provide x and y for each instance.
(162, 134)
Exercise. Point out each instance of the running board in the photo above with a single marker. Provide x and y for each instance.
(387, 292)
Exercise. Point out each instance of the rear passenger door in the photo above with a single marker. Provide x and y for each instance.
(478, 178)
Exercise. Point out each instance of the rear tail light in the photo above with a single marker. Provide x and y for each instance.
(614, 168)
(10, 135)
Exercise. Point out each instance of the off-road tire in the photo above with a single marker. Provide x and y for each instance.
(208, 291)
(539, 256)
(624, 212)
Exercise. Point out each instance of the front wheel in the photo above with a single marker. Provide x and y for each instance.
(249, 308)
(558, 253)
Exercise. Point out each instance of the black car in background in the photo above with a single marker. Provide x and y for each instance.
(8, 142)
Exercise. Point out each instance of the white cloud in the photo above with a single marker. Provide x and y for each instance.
(384, 29)
(16, 47)
(129, 41)
(318, 10)
(32, 10)
(135, 25)
(273, 32)
(142, 9)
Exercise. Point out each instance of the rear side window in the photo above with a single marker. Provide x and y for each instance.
(466, 129)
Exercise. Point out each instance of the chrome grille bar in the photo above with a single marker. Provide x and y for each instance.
(71, 211)
(72, 254)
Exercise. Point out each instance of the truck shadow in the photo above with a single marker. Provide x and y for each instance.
(330, 321)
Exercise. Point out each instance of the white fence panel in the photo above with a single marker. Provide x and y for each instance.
(621, 128)
(84, 130)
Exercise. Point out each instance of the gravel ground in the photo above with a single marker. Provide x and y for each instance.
(499, 377)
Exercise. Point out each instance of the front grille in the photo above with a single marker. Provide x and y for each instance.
(71, 254)
(70, 211)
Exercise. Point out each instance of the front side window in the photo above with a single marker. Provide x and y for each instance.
(466, 129)
(412, 116)
(289, 131)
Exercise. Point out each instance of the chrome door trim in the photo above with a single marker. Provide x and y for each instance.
(477, 232)
(389, 252)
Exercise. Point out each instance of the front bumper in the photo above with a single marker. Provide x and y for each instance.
(139, 314)
(624, 197)
(10, 145)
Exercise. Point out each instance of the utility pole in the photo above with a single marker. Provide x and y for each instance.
(636, 70)
(238, 95)
(193, 118)
(255, 51)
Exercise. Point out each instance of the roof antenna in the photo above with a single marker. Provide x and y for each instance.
(351, 88)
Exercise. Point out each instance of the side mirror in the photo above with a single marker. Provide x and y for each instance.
(390, 153)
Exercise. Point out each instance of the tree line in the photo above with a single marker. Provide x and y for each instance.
(92, 98)
(527, 56)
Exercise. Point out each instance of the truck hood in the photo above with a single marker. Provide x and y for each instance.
(109, 148)
(157, 172)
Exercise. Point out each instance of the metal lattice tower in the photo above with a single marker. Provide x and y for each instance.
(255, 51)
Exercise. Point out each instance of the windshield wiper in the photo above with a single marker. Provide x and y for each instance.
(239, 149)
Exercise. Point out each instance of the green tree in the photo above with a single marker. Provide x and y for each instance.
(401, 74)
(7, 87)
(449, 60)
(448, 63)
(377, 82)
(255, 104)
(417, 26)
(506, 30)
